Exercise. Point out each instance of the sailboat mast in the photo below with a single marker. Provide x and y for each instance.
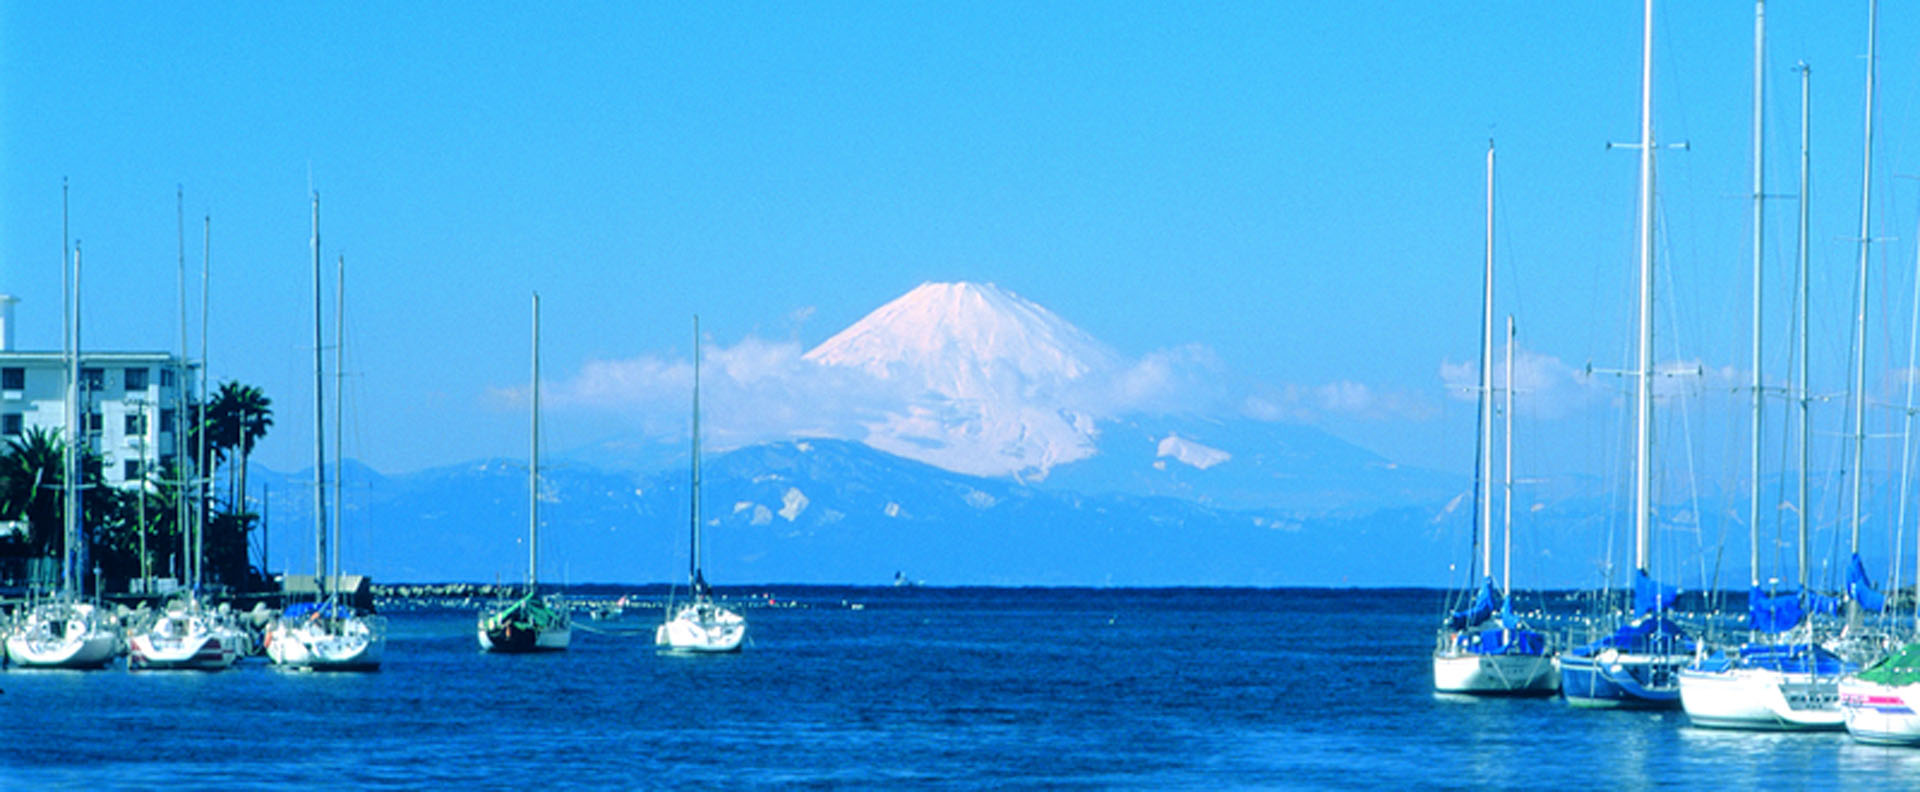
(1906, 430)
(70, 479)
(1806, 316)
(183, 507)
(1506, 498)
(67, 265)
(694, 557)
(533, 467)
(1860, 294)
(1643, 397)
(203, 470)
(319, 420)
(1759, 217)
(339, 403)
(1485, 493)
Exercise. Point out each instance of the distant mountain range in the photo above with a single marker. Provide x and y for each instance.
(835, 511)
(1002, 456)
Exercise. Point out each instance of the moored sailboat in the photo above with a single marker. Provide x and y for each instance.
(1636, 664)
(529, 623)
(324, 634)
(1882, 703)
(1780, 678)
(188, 633)
(702, 624)
(1476, 653)
(63, 631)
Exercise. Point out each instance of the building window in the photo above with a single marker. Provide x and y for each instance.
(130, 470)
(10, 424)
(93, 378)
(166, 421)
(166, 378)
(93, 423)
(136, 424)
(136, 379)
(13, 378)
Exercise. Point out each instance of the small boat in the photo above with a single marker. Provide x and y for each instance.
(609, 611)
(1780, 678)
(1476, 653)
(530, 623)
(64, 631)
(186, 635)
(324, 634)
(1882, 703)
(1787, 686)
(701, 625)
(1637, 664)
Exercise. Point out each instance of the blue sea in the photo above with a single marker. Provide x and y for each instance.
(906, 688)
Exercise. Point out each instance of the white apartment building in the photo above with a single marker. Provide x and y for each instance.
(130, 402)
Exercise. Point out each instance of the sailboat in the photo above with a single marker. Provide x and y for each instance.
(701, 624)
(1637, 664)
(187, 633)
(1780, 678)
(1880, 704)
(1474, 654)
(325, 634)
(65, 631)
(530, 623)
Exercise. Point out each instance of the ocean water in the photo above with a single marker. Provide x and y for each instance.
(917, 688)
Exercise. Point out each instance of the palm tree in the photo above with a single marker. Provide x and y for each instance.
(31, 489)
(237, 419)
(30, 479)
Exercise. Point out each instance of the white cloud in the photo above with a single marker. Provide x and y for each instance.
(1337, 400)
(1544, 385)
(751, 392)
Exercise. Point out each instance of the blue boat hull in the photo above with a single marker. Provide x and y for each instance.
(1621, 681)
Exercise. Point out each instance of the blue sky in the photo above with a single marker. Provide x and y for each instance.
(1292, 189)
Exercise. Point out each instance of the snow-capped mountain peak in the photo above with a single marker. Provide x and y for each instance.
(992, 378)
(947, 326)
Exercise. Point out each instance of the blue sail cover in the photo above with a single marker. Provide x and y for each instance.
(1775, 614)
(1646, 635)
(1860, 587)
(1650, 596)
(1796, 659)
(303, 609)
(1482, 607)
(1496, 641)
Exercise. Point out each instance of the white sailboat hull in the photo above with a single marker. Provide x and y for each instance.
(703, 629)
(1760, 698)
(1489, 674)
(204, 650)
(186, 636)
(63, 635)
(351, 644)
(1876, 713)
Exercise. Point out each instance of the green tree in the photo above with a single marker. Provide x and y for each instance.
(234, 421)
(30, 479)
(238, 418)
